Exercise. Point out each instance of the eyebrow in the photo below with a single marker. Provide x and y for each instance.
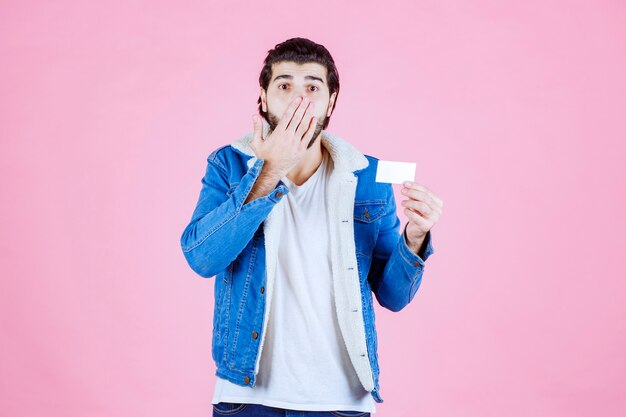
(307, 77)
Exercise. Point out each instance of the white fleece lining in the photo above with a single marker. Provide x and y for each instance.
(341, 191)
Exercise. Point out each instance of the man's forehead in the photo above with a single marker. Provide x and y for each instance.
(308, 70)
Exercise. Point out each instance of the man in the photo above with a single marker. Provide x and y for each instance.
(299, 236)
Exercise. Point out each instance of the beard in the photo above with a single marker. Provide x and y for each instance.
(273, 121)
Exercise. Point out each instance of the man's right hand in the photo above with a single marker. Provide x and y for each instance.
(287, 144)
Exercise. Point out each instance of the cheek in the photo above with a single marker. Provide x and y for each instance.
(276, 107)
(321, 108)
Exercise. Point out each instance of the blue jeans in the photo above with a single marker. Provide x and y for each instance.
(258, 410)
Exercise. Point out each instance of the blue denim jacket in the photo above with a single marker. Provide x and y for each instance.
(237, 243)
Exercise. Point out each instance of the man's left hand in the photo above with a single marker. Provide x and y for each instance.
(423, 208)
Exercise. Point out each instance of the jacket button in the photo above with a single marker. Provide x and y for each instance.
(279, 194)
(416, 263)
(367, 214)
(262, 290)
(246, 379)
(255, 335)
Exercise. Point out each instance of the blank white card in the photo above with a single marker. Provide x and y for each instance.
(395, 172)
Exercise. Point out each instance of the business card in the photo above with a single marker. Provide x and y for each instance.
(395, 172)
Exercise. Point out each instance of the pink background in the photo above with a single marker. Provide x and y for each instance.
(513, 112)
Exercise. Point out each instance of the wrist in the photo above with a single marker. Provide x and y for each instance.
(269, 170)
(414, 243)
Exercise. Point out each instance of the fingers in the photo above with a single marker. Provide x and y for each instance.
(300, 117)
(305, 122)
(257, 134)
(306, 138)
(417, 219)
(288, 113)
(422, 196)
(418, 206)
(421, 192)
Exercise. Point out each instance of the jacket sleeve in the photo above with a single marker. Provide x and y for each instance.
(221, 225)
(396, 271)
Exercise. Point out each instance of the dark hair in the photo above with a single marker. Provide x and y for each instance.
(301, 51)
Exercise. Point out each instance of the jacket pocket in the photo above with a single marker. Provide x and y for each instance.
(367, 215)
(369, 211)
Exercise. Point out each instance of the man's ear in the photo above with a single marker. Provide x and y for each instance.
(331, 103)
(263, 99)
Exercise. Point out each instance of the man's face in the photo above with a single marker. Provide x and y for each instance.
(290, 80)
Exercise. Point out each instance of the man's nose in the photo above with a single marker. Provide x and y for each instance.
(299, 93)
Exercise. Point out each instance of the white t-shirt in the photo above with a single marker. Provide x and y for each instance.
(304, 363)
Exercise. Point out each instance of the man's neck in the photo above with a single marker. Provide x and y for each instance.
(309, 163)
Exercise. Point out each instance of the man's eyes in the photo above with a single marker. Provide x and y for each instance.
(286, 85)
